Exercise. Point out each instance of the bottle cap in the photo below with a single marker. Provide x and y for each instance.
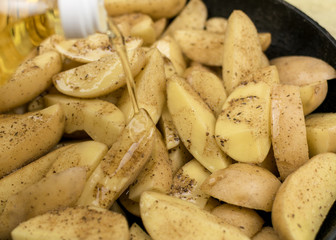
(80, 18)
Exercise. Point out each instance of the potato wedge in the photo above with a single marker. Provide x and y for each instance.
(302, 70)
(150, 88)
(192, 16)
(312, 95)
(157, 172)
(137, 233)
(242, 53)
(179, 156)
(98, 78)
(21, 136)
(30, 79)
(209, 87)
(195, 124)
(49, 44)
(122, 163)
(265, 40)
(170, 49)
(289, 138)
(167, 217)
(159, 26)
(247, 220)
(57, 191)
(130, 205)
(201, 46)
(74, 223)
(26, 176)
(321, 133)
(305, 197)
(86, 154)
(168, 130)
(187, 181)
(269, 75)
(266, 233)
(101, 120)
(157, 9)
(243, 128)
(216, 24)
(255, 189)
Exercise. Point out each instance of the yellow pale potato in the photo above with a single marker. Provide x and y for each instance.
(321, 133)
(74, 223)
(137, 233)
(156, 9)
(242, 53)
(29, 80)
(26, 176)
(167, 217)
(287, 120)
(242, 128)
(156, 174)
(302, 70)
(268, 74)
(100, 77)
(54, 192)
(179, 156)
(28, 136)
(244, 185)
(209, 87)
(195, 124)
(150, 88)
(247, 220)
(304, 199)
(159, 26)
(312, 95)
(192, 16)
(121, 164)
(101, 120)
(265, 40)
(187, 181)
(168, 129)
(86, 154)
(216, 24)
(130, 205)
(266, 233)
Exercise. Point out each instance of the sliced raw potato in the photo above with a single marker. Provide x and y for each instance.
(156, 174)
(168, 129)
(265, 40)
(100, 77)
(312, 95)
(195, 124)
(122, 163)
(101, 120)
(167, 217)
(264, 61)
(192, 16)
(302, 70)
(209, 87)
(269, 75)
(49, 44)
(156, 9)
(87, 49)
(139, 25)
(242, 53)
(74, 223)
(242, 128)
(26, 176)
(169, 67)
(255, 189)
(266, 233)
(179, 156)
(130, 205)
(247, 220)
(114, 96)
(28, 136)
(289, 138)
(86, 154)
(159, 26)
(216, 24)
(269, 163)
(137, 233)
(54, 192)
(170, 49)
(150, 87)
(211, 204)
(30, 79)
(201, 46)
(304, 199)
(187, 181)
(321, 133)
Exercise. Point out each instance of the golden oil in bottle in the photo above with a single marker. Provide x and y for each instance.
(18, 37)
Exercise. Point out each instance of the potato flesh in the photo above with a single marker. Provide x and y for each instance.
(242, 128)
(305, 197)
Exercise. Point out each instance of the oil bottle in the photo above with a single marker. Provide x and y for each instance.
(24, 24)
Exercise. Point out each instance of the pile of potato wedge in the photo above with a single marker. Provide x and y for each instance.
(222, 138)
